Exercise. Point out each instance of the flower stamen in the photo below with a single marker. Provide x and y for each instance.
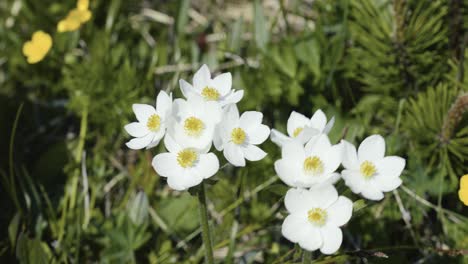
(238, 136)
(193, 126)
(317, 216)
(210, 94)
(187, 158)
(154, 123)
(313, 165)
(368, 169)
(297, 131)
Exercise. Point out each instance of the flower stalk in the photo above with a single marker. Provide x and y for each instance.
(206, 235)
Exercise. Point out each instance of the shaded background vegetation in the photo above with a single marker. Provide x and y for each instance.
(71, 192)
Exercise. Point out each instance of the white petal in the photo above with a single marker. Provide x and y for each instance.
(329, 125)
(354, 180)
(372, 192)
(186, 88)
(390, 167)
(257, 134)
(156, 139)
(218, 137)
(253, 153)
(372, 148)
(388, 185)
(231, 115)
(164, 104)
(181, 182)
(171, 145)
(143, 112)
(317, 144)
(306, 134)
(318, 120)
(223, 83)
(141, 142)
(165, 164)
(350, 160)
(213, 112)
(250, 119)
(279, 138)
(323, 197)
(286, 172)
(298, 201)
(340, 211)
(191, 177)
(296, 120)
(389, 170)
(202, 77)
(293, 150)
(180, 109)
(312, 239)
(293, 227)
(232, 98)
(332, 239)
(332, 158)
(234, 155)
(208, 165)
(136, 129)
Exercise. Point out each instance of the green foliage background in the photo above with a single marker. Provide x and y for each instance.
(71, 192)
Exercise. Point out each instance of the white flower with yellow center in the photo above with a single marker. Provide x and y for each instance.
(309, 166)
(217, 89)
(183, 165)
(315, 217)
(151, 124)
(367, 171)
(301, 128)
(195, 122)
(238, 136)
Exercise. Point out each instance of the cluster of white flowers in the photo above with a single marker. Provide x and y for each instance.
(309, 163)
(207, 115)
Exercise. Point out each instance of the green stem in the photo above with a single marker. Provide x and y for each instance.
(11, 163)
(306, 257)
(205, 225)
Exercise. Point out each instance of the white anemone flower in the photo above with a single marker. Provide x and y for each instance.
(184, 166)
(315, 217)
(195, 122)
(301, 128)
(152, 123)
(367, 171)
(238, 136)
(310, 166)
(217, 89)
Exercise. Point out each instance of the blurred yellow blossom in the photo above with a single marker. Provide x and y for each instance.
(76, 17)
(463, 192)
(36, 49)
(83, 4)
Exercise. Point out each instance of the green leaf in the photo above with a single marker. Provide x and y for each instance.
(260, 27)
(13, 228)
(182, 16)
(138, 208)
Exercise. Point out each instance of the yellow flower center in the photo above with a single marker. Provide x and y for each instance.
(210, 94)
(193, 126)
(187, 158)
(368, 169)
(154, 123)
(317, 216)
(297, 131)
(313, 165)
(238, 135)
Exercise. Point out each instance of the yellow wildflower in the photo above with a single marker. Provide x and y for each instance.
(463, 192)
(83, 4)
(36, 49)
(76, 17)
